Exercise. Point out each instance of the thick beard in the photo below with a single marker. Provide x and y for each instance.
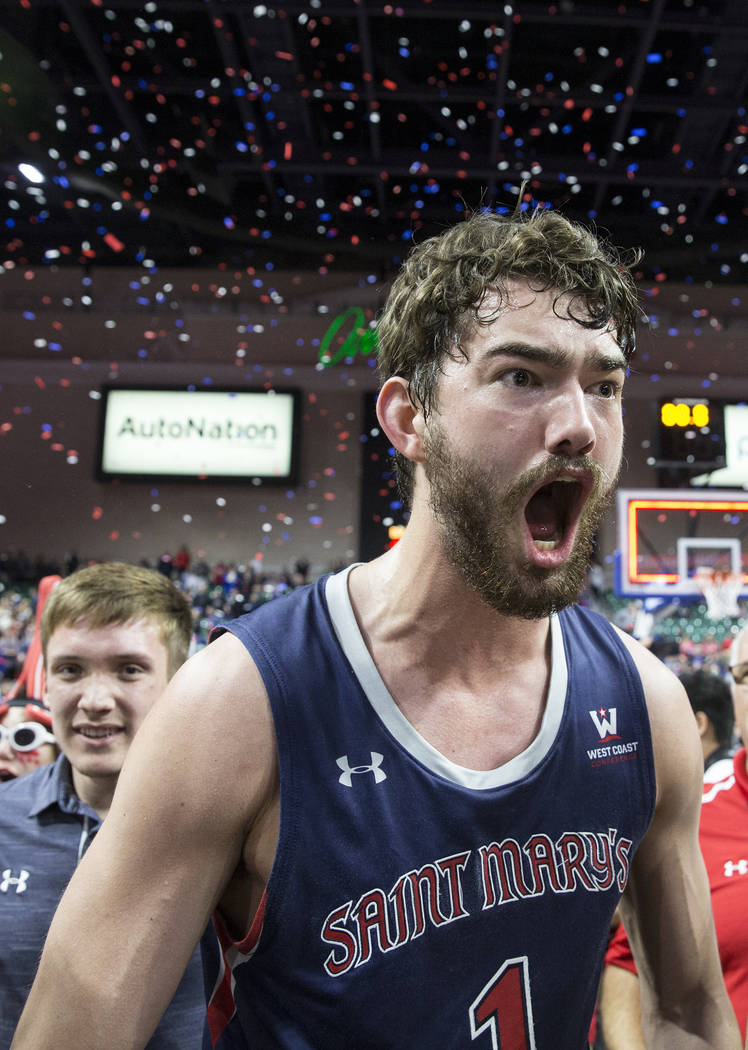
(477, 518)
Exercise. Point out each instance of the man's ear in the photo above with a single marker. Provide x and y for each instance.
(702, 722)
(401, 420)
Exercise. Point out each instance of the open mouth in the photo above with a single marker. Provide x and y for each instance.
(5, 774)
(553, 511)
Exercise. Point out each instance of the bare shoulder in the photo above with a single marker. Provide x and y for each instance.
(662, 689)
(210, 738)
(221, 680)
(678, 757)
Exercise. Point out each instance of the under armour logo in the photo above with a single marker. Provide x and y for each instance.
(346, 777)
(739, 867)
(11, 880)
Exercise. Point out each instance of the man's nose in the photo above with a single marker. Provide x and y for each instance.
(570, 431)
(96, 694)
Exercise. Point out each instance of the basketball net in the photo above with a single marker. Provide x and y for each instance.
(721, 589)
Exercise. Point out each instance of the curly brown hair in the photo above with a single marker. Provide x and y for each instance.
(436, 297)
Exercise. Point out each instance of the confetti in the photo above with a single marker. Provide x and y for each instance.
(241, 183)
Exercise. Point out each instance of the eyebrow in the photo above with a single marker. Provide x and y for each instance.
(113, 658)
(555, 357)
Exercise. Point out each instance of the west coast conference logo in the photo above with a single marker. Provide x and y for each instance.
(611, 749)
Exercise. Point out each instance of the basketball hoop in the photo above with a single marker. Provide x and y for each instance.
(721, 588)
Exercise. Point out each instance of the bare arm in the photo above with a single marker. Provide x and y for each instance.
(200, 770)
(667, 907)
(620, 1010)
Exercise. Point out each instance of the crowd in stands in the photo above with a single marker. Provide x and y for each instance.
(217, 592)
(682, 634)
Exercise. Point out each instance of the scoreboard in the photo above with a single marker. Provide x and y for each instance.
(689, 434)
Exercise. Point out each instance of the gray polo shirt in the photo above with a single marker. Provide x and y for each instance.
(44, 831)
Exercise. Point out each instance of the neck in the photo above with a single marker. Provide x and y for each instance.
(96, 792)
(415, 590)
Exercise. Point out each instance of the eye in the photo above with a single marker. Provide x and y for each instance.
(517, 378)
(740, 674)
(131, 670)
(609, 389)
(66, 671)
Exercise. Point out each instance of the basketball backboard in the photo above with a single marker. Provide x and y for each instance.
(667, 538)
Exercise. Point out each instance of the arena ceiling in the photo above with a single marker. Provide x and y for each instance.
(328, 134)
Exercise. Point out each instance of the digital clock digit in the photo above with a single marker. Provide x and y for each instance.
(682, 414)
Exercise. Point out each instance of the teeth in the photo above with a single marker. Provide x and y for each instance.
(97, 734)
(547, 545)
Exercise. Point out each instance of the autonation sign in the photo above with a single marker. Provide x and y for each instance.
(204, 433)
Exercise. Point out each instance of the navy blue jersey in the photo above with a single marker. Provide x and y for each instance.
(414, 903)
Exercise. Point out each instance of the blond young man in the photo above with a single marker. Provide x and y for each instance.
(112, 637)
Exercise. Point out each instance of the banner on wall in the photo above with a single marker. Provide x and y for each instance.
(218, 434)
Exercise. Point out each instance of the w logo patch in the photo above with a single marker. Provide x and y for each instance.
(605, 723)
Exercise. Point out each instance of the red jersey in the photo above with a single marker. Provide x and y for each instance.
(723, 834)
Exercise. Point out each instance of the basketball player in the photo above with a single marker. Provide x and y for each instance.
(413, 792)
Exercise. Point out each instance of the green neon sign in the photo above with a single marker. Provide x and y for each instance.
(360, 339)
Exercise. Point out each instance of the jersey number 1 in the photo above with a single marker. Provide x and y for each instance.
(504, 1008)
